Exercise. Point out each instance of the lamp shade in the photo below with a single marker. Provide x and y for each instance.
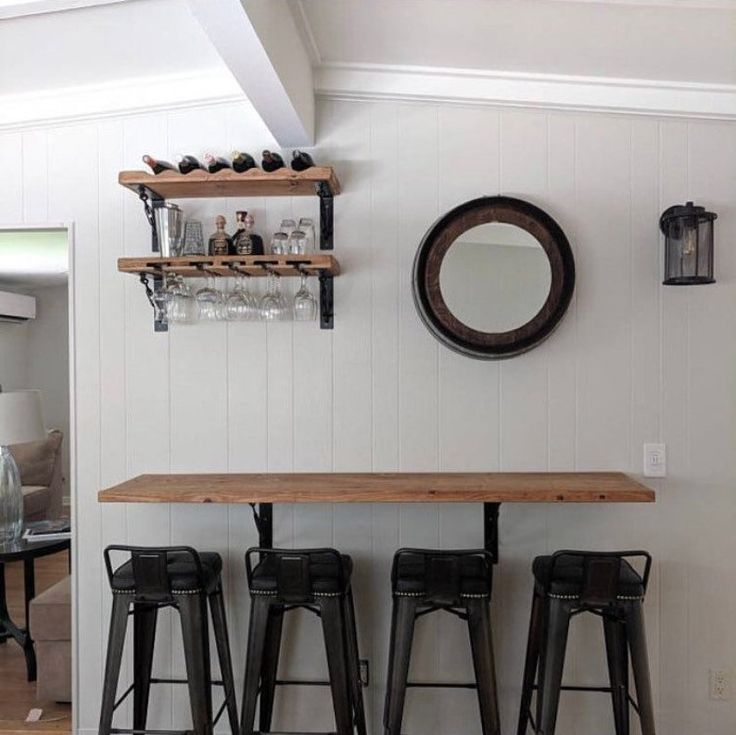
(21, 419)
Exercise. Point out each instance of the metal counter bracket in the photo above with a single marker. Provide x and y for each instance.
(325, 215)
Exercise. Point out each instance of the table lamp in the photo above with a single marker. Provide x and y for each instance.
(20, 421)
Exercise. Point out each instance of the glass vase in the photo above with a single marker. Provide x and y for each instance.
(11, 499)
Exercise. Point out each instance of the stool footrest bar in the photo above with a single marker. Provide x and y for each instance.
(442, 684)
(301, 683)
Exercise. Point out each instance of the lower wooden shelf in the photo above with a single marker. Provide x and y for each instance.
(231, 265)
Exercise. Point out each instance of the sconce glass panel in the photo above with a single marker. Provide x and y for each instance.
(688, 248)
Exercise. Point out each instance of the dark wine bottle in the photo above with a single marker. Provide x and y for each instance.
(301, 161)
(243, 162)
(187, 164)
(158, 166)
(271, 161)
(216, 163)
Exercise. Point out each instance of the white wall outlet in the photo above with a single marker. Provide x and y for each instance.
(655, 460)
(719, 684)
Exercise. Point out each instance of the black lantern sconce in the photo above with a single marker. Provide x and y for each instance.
(688, 245)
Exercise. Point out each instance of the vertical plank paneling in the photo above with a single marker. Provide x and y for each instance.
(11, 159)
(35, 177)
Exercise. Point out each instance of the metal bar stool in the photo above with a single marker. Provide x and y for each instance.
(567, 584)
(317, 580)
(150, 579)
(459, 582)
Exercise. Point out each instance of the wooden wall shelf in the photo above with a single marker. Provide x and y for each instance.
(230, 265)
(399, 487)
(228, 183)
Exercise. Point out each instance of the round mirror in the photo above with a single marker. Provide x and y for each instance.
(493, 277)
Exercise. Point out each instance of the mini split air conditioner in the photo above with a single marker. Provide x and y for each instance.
(16, 308)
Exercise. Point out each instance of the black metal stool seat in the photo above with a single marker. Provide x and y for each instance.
(564, 576)
(317, 580)
(328, 574)
(151, 579)
(459, 582)
(416, 572)
(606, 584)
(182, 571)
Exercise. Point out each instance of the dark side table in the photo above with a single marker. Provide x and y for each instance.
(27, 552)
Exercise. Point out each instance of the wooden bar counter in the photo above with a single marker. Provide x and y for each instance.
(391, 487)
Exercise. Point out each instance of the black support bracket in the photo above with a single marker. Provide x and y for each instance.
(326, 227)
(490, 529)
(151, 201)
(263, 517)
(326, 301)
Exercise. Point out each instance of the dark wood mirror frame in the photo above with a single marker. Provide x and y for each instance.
(435, 313)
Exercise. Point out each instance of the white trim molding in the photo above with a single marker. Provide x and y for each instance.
(519, 89)
(123, 96)
(21, 8)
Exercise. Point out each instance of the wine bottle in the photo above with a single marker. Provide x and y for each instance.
(243, 161)
(216, 163)
(271, 161)
(220, 242)
(301, 161)
(187, 164)
(158, 166)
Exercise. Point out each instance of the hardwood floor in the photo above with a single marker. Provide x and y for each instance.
(18, 696)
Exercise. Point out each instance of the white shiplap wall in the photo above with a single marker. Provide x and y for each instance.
(632, 362)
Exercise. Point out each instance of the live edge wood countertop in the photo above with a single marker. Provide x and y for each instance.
(384, 487)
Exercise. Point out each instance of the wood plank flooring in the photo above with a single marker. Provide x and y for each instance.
(18, 696)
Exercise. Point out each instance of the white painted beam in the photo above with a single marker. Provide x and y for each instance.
(263, 48)
(19, 8)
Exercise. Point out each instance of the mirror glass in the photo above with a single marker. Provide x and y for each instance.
(495, 277)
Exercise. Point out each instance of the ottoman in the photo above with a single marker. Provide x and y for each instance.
(51, 628)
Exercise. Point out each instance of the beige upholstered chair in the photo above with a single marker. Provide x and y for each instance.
(39, 464)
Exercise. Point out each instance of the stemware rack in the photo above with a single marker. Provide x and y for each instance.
(154, 190)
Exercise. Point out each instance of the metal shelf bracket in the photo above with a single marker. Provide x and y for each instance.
(326, 301)
(325, 215)
(151, 201)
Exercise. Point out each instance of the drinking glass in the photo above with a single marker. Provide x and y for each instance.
(182, 306)
(305, 305)
(287, 226)
(193, 238)
(280, 244)
(237, 305)
(210, 301)
(297, 243)
(306, 225)
(269, 307)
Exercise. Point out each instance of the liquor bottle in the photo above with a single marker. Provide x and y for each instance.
(242, 243)
(158, 166)
(271, 161)
(256, 240)
(243, 162)
(187, 164)
(216, 163)
(301, 161)
(220, 242)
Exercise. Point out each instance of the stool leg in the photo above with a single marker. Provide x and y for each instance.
(618, 672)
(530, 665)
(558, 624)
(640, 664)
(144, 636)
(333, 628)
(402, 636)
(354, 656)
(269, 673)
(194, 628)
(259, 610)
(115, 644)
(222, 641)
(481, 644)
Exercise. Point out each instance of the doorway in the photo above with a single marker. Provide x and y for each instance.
(35, 354)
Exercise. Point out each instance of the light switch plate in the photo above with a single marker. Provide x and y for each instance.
(655, 460)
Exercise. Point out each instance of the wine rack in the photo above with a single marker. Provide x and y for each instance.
(154, 190)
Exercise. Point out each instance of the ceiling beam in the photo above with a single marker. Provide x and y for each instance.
(19, 8)
(260, 43)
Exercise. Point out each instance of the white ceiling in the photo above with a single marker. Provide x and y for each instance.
(34, 258)
(96, 45)
(671, 40)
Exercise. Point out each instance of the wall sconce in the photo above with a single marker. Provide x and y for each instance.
(688, 245)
